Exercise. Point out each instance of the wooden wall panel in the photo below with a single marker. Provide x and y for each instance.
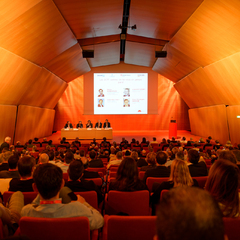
(176, 65)
(33, 122)
(70, 64)
(22, 82)
(7, 121)
(16, 76)
(71, 107)
(39, 34)
(234, 123)
(197, 90)
(211, 33)
(210, 121)
(10, 10)
(45, 91)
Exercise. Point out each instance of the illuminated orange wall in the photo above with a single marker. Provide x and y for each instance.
(71, 104)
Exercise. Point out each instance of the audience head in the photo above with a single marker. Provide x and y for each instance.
(134, 155)
(237, 155)
(119, 155)
(8, 140)
(193, 156)
(48, 179)
(75, 170)
(6, 155)
(92, 154)
(13, 161)
(82, 153)
(43, 158)
(151, 158)
(69, 157)
(189, 213)
(30, 141)
(25, 166)
(223, 183)
(144, 153)
(127, 169)
(51, 155)
(227, 155)
(180, 174)
(179, 155)
(128, 153)
(161, 158)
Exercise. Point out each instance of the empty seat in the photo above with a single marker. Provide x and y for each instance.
(131, 203)
(90, 197)
(28, 196)
(129, 227)
(151, 180)
(76, 228)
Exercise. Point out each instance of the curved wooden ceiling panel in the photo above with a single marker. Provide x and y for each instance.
(92, 18)
(70, 64)
(176, 65)
(211, 33)
(140, 54)
(104, 54)
(38, 35)
(160, 19)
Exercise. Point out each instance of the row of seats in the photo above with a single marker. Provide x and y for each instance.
(115, 228)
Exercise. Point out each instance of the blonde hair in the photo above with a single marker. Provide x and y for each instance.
(180, 174)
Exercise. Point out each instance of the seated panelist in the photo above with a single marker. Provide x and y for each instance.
(68, 125)
(89, 124)
(98, 124)
(106, 124)
(79, 125)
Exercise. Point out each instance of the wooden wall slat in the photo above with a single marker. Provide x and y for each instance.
(70, 64)
(234, 123)
(7, 121)
(39, 34)
(210, 121)
(33, 122)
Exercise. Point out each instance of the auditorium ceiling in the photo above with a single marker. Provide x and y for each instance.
(53, 34)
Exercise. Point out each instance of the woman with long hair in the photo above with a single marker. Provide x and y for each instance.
(179, 177)
(127, 177)
(223, 184)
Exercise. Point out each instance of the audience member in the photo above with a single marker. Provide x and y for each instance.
(69, 157)
(5, 156)
(189, 213)
(151, 161)
(127, 177)
(117, 161)
(208, 144)
(142, 160)
(43, 158)
(223, 184)
(37, 142)
(48, 180)
(94, 162)
(12, 172)
(77, 184)
(6, 143)
(197, 168)
(161, 170)
(179, 177)
(227, 155)
(25, 168)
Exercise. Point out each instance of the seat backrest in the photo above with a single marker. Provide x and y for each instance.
(1, 229)
(97, 181)
(102, 169)
(28, 196)
(163, 192)
(76, 228)
(201, 181)
(112, 174)
(141, 174)
(65, 177)
(232, 226)
(90, 197)
(151, 180)
(132, 203)
(129, 227)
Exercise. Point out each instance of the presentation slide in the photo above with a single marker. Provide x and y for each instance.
(120, 93)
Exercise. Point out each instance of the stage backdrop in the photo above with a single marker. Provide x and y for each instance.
(170, 105)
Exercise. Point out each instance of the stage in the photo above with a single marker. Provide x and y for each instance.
(138, 135)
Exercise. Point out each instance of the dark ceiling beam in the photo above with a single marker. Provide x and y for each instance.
(152, 41)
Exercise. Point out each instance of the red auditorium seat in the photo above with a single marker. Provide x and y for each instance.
(132, 203)
(129, 227)
(103, 170)
(163, 192)
(232, 226)
(1, 229)
(201, 181)
(28, 196)
(97, 181)
(76, 228)
(151, 180)
(141, 174)
(65, 177)
(90, 197)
